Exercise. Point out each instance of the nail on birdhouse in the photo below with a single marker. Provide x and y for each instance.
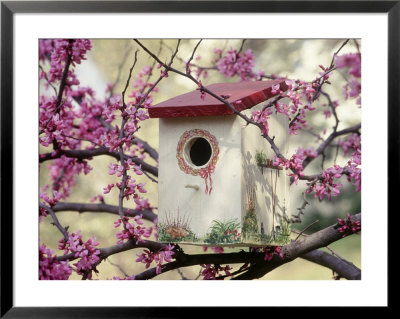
(217, 182)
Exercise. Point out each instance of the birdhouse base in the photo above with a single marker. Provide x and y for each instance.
(225, 234)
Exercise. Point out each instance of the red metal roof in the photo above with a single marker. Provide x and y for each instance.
(191, 104)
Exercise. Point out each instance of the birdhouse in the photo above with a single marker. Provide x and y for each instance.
(217, 182)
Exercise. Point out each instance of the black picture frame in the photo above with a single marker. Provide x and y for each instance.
(9, 8)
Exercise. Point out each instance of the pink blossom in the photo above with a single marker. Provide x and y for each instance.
(107, 189)
(164, 73)
(262, 118)
(50, 201)
(217, 51)
(85, 251)
(234, 63)
(42, 213)
(275, 88)
(282, 108)
(350, 60)
(159, 257)
(213, 272)
(327, 185)
(327, 114)
(50, 268)
(112, 168)
(132, 230)
(295, 163)
(347, 226)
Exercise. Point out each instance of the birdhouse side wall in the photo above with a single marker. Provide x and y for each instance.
(265, 188)
(188, 214)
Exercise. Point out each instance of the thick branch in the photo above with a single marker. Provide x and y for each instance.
(119, 248)
(340, 266)
(102, 208)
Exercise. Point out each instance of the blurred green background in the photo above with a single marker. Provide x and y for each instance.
(295, 58)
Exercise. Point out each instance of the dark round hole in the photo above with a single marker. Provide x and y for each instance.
(200, 152)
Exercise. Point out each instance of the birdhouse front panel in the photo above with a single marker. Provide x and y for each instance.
(199, 179)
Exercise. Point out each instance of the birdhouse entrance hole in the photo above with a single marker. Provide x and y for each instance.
(198, 151)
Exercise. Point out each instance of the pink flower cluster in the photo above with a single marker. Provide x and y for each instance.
(262, 117)
(86, 251)
(58, 51)
(234, 63)
(352, 142)
(159, 257)
(347, 226)
(56, 126)
(297, 91)
(42, 213)
(353, 172)
(212, 272)
(352, 61)
(327, 185)
(63, 48)
(79, 116)
(295, 163)
(115, 168)
(46, 47)
(50, 268)
(133, 230)
(63, 171)
(131, 189)
(50, 201)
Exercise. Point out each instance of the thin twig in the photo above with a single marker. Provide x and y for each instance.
(121, 150)
(119, 267)
(56, 221)
(121, 65)
(191, 57)
(301, 232)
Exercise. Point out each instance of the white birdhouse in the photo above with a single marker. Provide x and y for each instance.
(217, 182)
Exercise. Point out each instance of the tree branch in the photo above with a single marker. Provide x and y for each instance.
(328, 141)
(56, 223)
(87, 154)
(340, 266)
(102, 208)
